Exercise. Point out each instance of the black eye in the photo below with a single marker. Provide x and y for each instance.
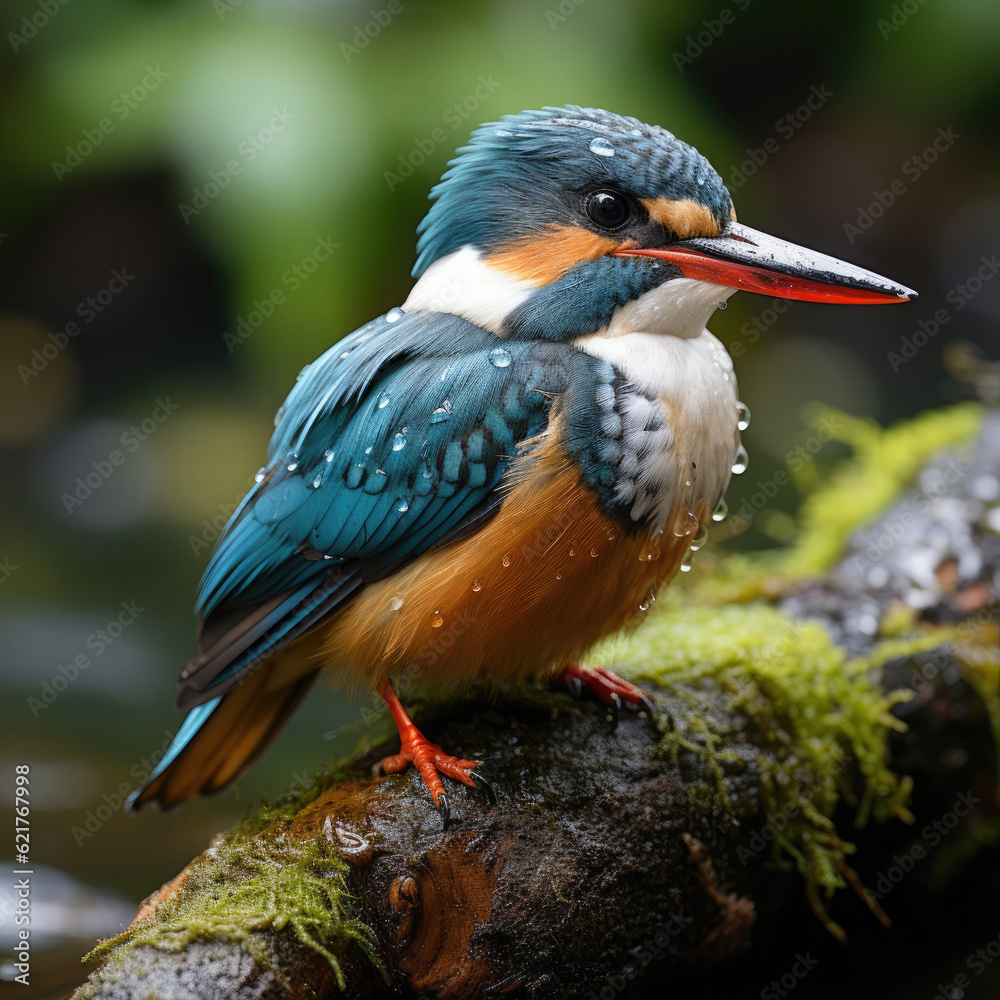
(607, 209)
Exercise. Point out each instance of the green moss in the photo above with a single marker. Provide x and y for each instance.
(885, 462)
(249, 884)
(819, 718)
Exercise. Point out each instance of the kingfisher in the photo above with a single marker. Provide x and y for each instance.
(519, 456)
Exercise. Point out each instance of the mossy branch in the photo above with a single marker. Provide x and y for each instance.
(615, 850)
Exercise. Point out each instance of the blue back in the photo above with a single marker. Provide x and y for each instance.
(388, 443)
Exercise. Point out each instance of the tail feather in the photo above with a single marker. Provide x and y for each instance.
(221, 739)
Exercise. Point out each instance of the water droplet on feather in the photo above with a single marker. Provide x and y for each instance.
(699, 540)
(742, 416)
(442, 413)
(686, 523)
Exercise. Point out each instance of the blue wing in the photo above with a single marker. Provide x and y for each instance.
(393, 440)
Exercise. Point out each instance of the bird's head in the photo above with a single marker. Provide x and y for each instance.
(565, 221)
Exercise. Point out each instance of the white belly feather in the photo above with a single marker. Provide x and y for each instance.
(660, 345)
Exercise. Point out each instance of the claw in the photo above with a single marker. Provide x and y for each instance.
(607, 686)
(442, 808)
(486, 786)
(615, 704)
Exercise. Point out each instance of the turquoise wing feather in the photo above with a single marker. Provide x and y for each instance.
(387, 444)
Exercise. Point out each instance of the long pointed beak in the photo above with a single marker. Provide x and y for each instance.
(744, 258)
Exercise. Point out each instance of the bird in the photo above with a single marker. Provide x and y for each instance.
(518, 457)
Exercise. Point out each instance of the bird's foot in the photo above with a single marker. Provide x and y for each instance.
(428, 758)
(432, 762)
(604, 684)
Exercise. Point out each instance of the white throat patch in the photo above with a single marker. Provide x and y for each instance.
(681, 307)
(464, 284)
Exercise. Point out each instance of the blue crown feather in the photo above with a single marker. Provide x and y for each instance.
(512, 177)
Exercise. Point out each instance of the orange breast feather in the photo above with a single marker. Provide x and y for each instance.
(548, 577)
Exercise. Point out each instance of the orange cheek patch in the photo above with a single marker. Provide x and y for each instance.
(541, 258)
(684, 217)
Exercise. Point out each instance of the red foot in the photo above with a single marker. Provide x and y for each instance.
(605, 684)
(428, 758)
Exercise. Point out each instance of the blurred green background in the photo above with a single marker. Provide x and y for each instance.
(167, 166)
